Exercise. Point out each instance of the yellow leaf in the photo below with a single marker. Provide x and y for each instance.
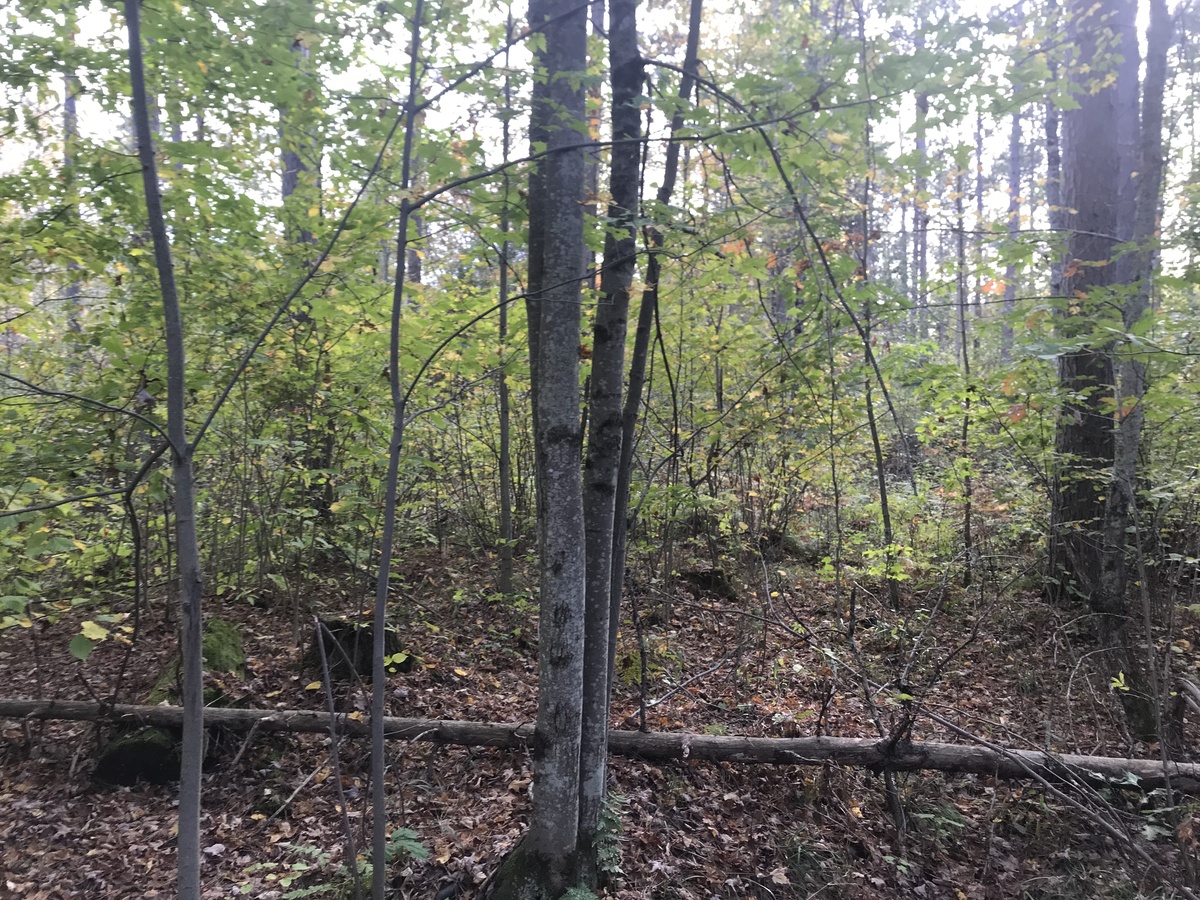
(93, 632)
(336, 505)
(356, 716)
(462, 672)
(313, 686)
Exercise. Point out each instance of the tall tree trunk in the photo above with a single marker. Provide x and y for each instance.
(920, 230)
(1111, 600)
(190, 584)
(604, 405)
(379, 823)
(965, 355)
(1054, 201)
(1091, 197)
(71, 90)
(546, 862)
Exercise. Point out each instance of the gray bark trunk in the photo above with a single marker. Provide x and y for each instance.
(605, 404)
(560, 114)
(1014, 233)
(190, 584)
(1091, 192)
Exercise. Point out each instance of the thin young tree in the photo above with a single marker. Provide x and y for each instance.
(190, 583)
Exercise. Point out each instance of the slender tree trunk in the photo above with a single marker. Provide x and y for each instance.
(920, 265)
(965, 351)
(1014, 233)
(547, 861)
(604, 406)
(379, 829)
(1054, 201)
(505, 579)
(71, 89)
(190, 583)
(641, 341)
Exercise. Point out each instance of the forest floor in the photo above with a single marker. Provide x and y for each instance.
(757, 653)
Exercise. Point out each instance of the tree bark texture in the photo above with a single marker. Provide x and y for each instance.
(560, 113)
(1112, 601)
(659, 746)
(1092, 192)
(605, 404)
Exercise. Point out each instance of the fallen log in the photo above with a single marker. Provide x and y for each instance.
(657, 746)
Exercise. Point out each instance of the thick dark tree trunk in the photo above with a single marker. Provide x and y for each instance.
(1111, 600)
(1091, 198)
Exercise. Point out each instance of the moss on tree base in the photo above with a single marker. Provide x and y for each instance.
(525, 874)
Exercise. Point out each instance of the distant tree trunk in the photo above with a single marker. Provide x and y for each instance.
(920, 229)
(190, 584)
(1111, 600)
(641, 341)
(297, 151)
(547, 861)
(1091, 192)
(1054, 201)
(604, 406)
(505, 578)
(1014, 233)
(965, 355)
(71, 89)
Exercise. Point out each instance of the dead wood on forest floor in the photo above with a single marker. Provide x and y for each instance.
(653, 746)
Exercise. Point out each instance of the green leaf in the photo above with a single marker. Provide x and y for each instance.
(80, 647)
